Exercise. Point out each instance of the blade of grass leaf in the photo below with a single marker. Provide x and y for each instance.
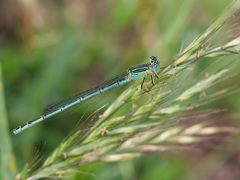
(8, 164)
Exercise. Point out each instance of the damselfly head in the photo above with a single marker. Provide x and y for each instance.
(154, 62)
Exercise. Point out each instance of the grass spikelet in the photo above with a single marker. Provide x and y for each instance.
(175, 119)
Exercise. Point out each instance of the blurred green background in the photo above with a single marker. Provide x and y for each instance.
(52, 49)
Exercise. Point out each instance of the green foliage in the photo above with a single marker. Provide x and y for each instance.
(66, 47)
(132, 127)
(7, 165)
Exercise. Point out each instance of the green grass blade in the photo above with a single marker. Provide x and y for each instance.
(7, 165)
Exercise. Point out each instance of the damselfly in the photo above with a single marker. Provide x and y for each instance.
(132, 73)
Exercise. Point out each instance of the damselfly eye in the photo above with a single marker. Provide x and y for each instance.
(152, 59)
